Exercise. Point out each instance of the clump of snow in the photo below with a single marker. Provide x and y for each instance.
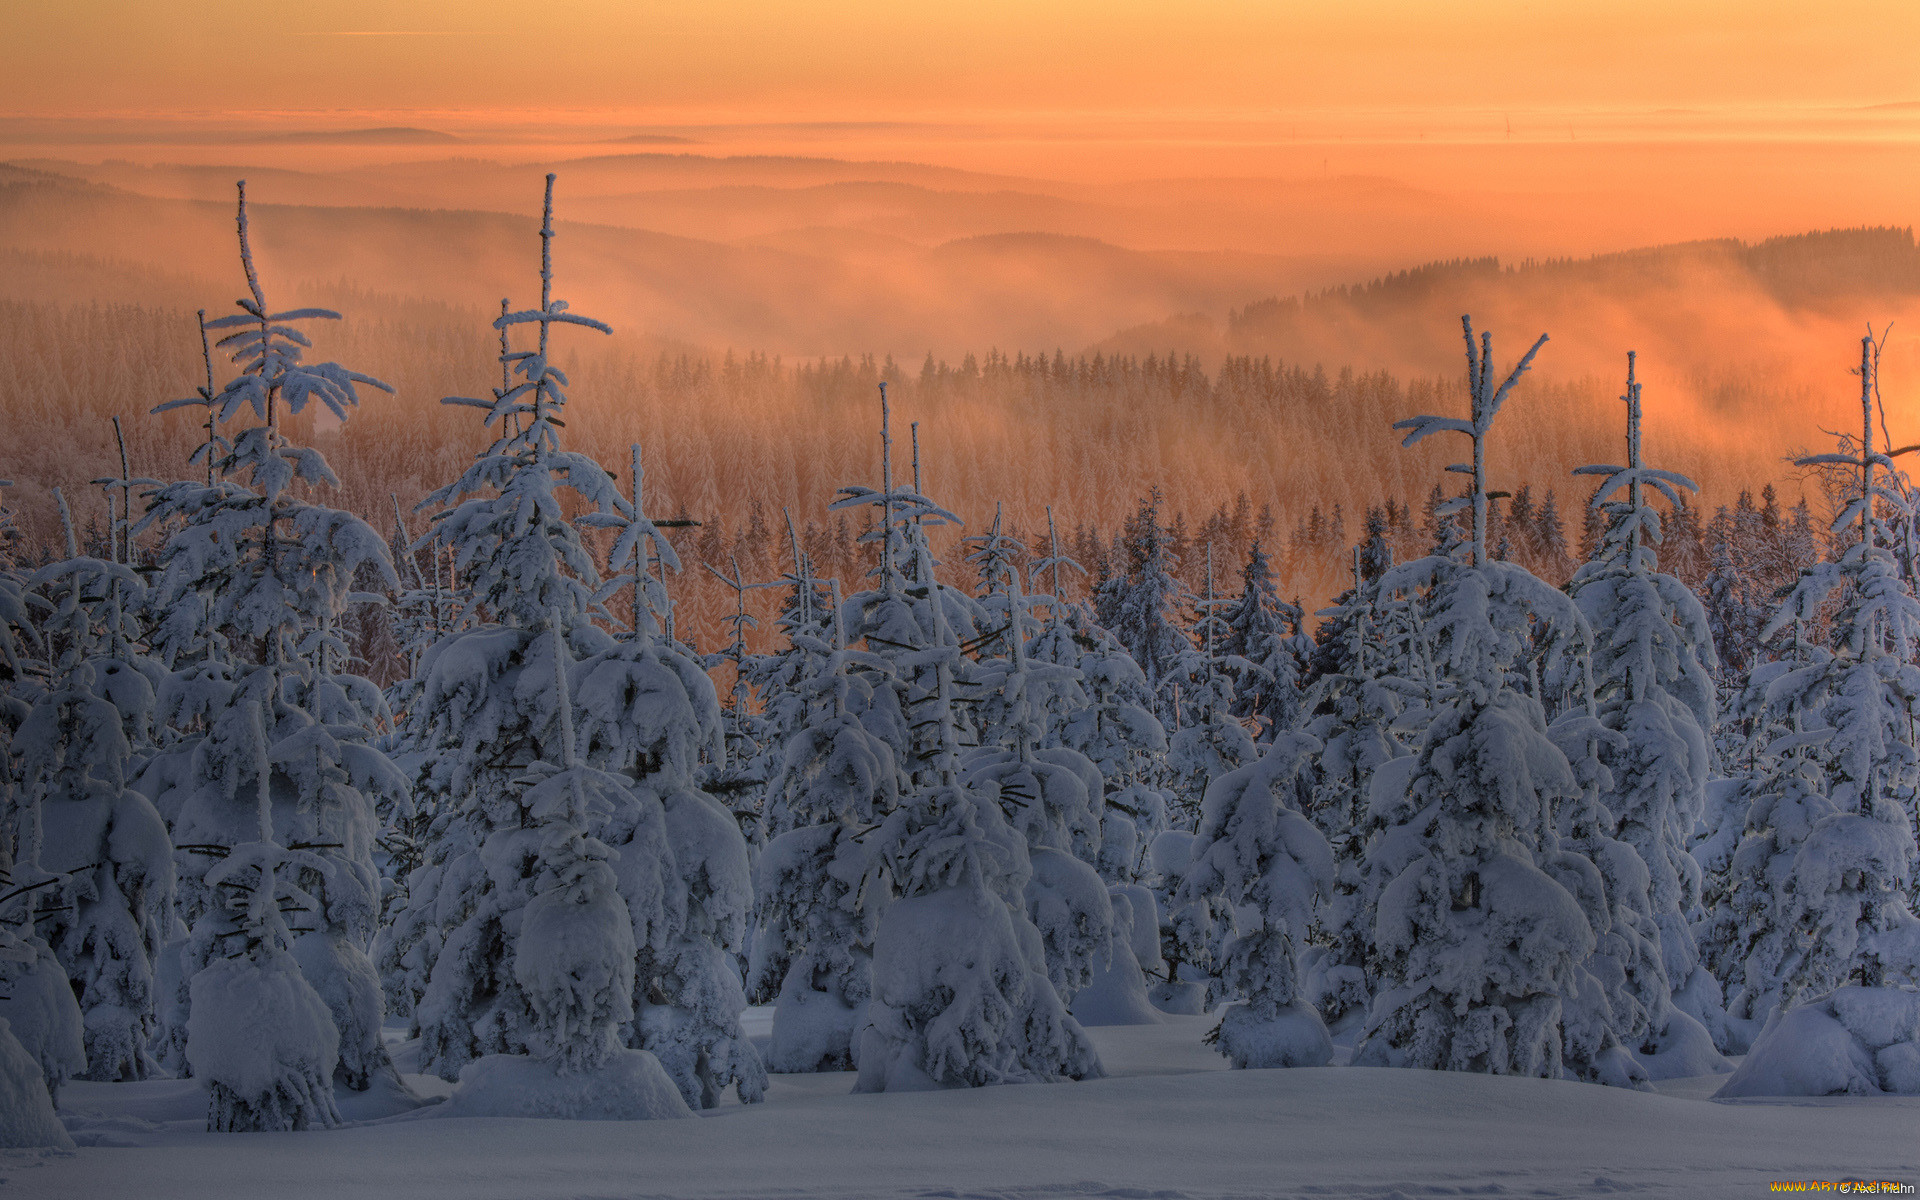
(37, 1000)
(1856, 1041)
(1287, 1035)
(264, 1041)
(961, 999)
(26, 1111)
(1117, 994)
(1685, 1049)
(628, 1085)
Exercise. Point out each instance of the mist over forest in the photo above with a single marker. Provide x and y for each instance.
(1049, 353)
(844, 601)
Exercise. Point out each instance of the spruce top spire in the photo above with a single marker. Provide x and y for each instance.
(269, 347)
(1634, 521)
(1486, 401)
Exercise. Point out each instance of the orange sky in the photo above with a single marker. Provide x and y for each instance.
(866, 60)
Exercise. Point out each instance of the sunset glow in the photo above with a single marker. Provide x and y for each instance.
(1246, 598)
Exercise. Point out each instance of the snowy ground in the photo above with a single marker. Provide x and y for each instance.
(1170, 1123)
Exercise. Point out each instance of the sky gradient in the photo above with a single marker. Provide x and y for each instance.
(791, 59)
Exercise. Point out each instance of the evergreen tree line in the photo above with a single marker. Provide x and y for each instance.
(1608, 828)
(737, 439)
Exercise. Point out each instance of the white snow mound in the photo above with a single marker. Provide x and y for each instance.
(630, 1085)
(1856, 1041)
(26, 1111)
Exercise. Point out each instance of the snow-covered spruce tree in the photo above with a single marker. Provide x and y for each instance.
(574, 957)
(1257, 853)
(1262, 641)
(1109, 722)
(1052, 796)
(112, 909)
(1355, 702)
(779, 679)
(908, 611)
(649, 711)
(36, 999)
(1652, 679)
(960, 990)
(820, 888)
(740, 777)
(424, 611)
(645, 711)
(1622, 983)
(270, 793)
(1140, 608)
(487, 711)
(1853, 870)
(1210, 741)
(961, 996)
(1755, 923)
(41, 1041)
(1476, 944)
(259, 1034)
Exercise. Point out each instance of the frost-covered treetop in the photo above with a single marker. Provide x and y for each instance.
(904, 514)
(638, 545)
(1493, 615)
(995, 555)
(1652, 630)
(269, 349)
(506, 526)
(1052, 565)
(1880, 617)
(1633, 522)
(269, 565)
(1486, 403)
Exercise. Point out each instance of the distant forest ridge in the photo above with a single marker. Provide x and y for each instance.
(1803, 269)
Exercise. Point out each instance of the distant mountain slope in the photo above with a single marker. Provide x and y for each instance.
(1787, 305)
(796, 298)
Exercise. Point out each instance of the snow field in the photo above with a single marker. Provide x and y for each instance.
(1170, 1122)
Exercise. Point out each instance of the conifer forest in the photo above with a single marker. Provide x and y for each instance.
(1184, 768)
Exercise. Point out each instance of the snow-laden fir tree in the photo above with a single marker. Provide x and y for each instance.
(258, 1033)
(1853, 870)
(740, 776)
(779, 680)
(1053, 796)
(575, 954)
(1476, 944)
(1262, 641)
(45, 1040)
(645, 710)
(36, 1000)
(961, 995)
(1753, 929)
(819, 886)
(1269, 863)
(423, 612)
(1622, 985)
(909, 617)
(1210, 741)
(1109, 722)
(110, 914)
(649, 710)
(1140, 605)
(271, 792)
(486, 710)
(1652, 679)
(1356, 701)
